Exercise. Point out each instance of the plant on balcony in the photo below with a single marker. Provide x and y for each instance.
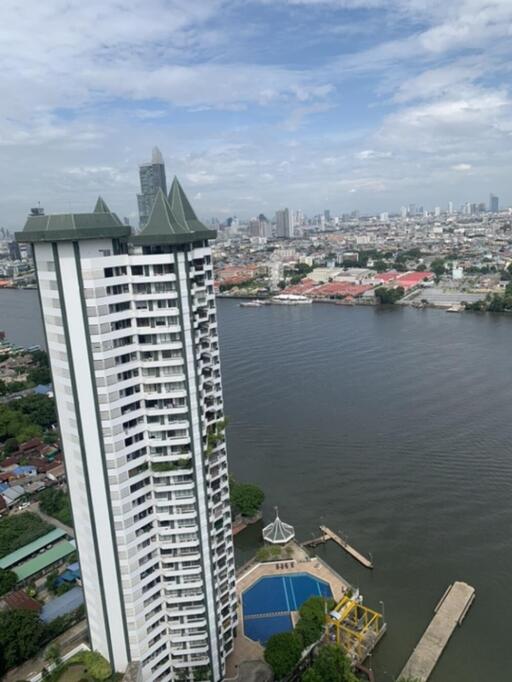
(215, 435)
(162, 466)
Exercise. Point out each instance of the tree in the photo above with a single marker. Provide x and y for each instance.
(40, 375)
(380, 266)
(389, 296)
(52, 654)
(40, 409)
(246, 498)
(21, 635)
(312, 619)
(421, 267)
(283, 652)
(10, 445)
(438, 267)
(331, 665)
(55, 502)
(8, 580)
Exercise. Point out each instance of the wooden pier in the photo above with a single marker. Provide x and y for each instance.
(328, 534)
(450, 612)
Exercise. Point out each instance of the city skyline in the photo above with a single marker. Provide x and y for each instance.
(342, 103)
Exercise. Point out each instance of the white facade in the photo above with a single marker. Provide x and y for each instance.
(132, 339)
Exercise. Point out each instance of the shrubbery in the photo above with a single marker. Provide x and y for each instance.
(20, 529)
(246, 499)
(331, 665)
(55, 502)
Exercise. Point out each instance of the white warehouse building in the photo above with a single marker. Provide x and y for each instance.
(131, 331)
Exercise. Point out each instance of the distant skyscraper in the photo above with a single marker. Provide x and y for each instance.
(327, 215)
(265, 226)
(450, 207)
(152, 178)
(403, 211)
(298, 217)
(437, 211)
(284, 227)
(494, 203)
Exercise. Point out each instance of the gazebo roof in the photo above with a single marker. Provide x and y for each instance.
(278, 532)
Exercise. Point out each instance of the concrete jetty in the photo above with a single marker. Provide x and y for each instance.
(330, 535)
(450, 612)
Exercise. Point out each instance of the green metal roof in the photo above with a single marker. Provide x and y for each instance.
(173, 221)
(31, 548)
(68, 226)
(44, 560)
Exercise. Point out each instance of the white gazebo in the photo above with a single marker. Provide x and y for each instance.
(277, 532)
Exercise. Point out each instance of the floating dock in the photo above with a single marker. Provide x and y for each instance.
(330, 535)
(450, 612)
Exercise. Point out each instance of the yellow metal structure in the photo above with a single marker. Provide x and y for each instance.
(354, 627)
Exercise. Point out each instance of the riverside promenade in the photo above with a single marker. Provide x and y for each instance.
(449, 613)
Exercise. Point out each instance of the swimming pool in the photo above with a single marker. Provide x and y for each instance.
(268, 603)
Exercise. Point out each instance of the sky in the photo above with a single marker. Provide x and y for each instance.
(255, 104)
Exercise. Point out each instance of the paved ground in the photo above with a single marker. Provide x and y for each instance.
(253, 671)
(445, 297)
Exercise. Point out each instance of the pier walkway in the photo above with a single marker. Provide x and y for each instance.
(330, 535)
(449, 613)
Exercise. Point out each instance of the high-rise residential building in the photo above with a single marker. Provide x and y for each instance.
(131, 331)
(152, 178)
(494, 203)
(284, 226)
(327, 215)
(450, 207)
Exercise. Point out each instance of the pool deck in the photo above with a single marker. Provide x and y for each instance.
(246, 649)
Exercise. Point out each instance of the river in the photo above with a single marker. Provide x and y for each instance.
(392, 425)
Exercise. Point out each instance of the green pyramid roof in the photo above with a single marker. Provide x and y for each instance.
(173, 221)
(101, 206)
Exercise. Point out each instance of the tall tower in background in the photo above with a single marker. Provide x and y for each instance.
(131, 330)
(152, 178)
(284, 225)
(494, 203)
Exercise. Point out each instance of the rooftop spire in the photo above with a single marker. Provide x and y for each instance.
(172, 220)
(101, 206)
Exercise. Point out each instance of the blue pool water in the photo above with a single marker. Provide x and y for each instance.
(267, 604)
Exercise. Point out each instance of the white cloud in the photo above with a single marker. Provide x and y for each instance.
(368, 154)
(89, 87)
